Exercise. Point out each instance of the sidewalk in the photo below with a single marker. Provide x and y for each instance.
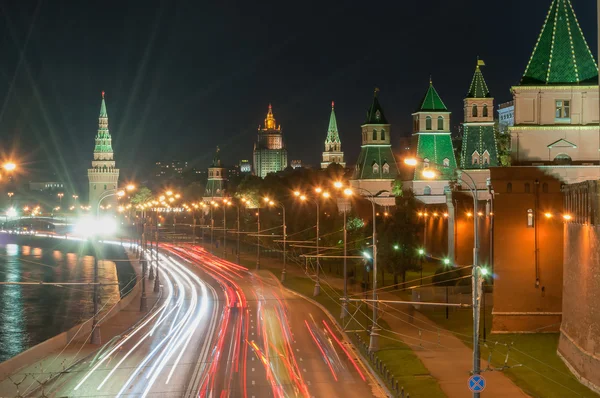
(49, 364)
(446, 357)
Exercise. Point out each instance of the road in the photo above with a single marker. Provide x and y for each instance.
(220, 330)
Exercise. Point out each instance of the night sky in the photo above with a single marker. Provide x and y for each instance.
(184, 76)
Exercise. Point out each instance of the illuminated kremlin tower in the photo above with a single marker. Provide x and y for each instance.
(103, 176)
(270, 155)
(479, 142)
(333, 145)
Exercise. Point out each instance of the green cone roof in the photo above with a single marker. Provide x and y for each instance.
(103, 138)
(478, 88)
(561, 54)
(103, 107)
(375, 113)
(332, 132)
(432, 101)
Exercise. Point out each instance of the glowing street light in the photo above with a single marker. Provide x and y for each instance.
(548, 215)
(567, 217)
(367, 255)
(10, 166)
(429, 174)
(411, 162)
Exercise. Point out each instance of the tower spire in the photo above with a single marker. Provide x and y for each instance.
(478, 87)
(332, 132)
(270, 122)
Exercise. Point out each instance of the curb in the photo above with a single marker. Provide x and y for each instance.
(375, 377)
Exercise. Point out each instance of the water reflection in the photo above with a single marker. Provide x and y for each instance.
(30, 314)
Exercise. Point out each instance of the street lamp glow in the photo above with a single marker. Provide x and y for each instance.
(296, 193)
(302, 197)
(367, 255)
(271, 203)
(177, 196)
(10, 166)
(411, 161)
(130, 187)
(121, 194)
(469, 214)
(266, 199)
(446, 261)
(326, 195)
(338, 184)
(548, 215)
(396, 247)
(567, 217)
(318, 190)
(348, 192)
(484, 271)
(421, 252)
(429, 174)
(445, 215)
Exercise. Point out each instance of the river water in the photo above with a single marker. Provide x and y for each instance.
(30, 314)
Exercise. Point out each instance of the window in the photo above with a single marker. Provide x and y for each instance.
(562, 159)
(374, 135)
(105, 187)
(509, 187)
(377, 115)
(563, 109)
(427, 190)
(545, 187)
(530, 218)
(527, 187)
(486, 158)
(475, 158)
(485, 110)
(94, 187)
(474, 111)
(446, 162)
(416, 124)
(382, 135)
(440, 122)
(375, 168)
(425, 163)
(386, 168)
(428, 123)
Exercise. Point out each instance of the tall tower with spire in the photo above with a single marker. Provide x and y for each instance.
(376, 167)
(103, 176)
(270, 154)
(479, 142)
(333, 145)
(217, 178)
(431, 133)
(556, 103)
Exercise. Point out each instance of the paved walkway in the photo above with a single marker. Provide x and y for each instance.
(31, 376)
(446, 357)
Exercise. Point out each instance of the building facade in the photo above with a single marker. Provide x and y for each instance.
(506, 116)
(217, 178)
(103, 176)
(270, 154)
(557, 101)
(172, 169)
(479, 149)
(333, 145)
(376, 168)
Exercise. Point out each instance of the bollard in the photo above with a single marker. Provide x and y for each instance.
(396, 385)
(402, 392)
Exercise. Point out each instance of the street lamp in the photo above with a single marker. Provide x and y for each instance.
(374, 337)
(347, 192)
(319, 192)
(421, 255)
(273, 203)
(9, 166)
(476, 279)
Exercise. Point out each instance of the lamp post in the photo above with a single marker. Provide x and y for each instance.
(258, 236)
(225, 202)
(212, 224)
(273, 203)
(348, 193)
(319, 192)
(475, 279)
(421, 254)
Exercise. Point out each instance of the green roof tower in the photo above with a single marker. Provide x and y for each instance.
(431, 134)
(376, 161)
(217, 178)
(103, 176)
(333, 145)
(561, 55)
(479, 142)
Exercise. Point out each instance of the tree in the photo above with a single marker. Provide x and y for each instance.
(503, 145)
(397, 239)
(193, 191)
(142, 195)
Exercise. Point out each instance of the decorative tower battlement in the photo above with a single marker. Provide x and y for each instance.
(479, 149)
(103, 176)
(333, 145)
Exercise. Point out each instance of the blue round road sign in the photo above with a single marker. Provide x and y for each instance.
(476, 383)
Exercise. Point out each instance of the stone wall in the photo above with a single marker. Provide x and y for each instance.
(579, 344)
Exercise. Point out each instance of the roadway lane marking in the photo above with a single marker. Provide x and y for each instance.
(253, 369)
(253, 358)
(300, 359)
(304, 370)
(297, 350)
(253, 382)
(308, 382)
